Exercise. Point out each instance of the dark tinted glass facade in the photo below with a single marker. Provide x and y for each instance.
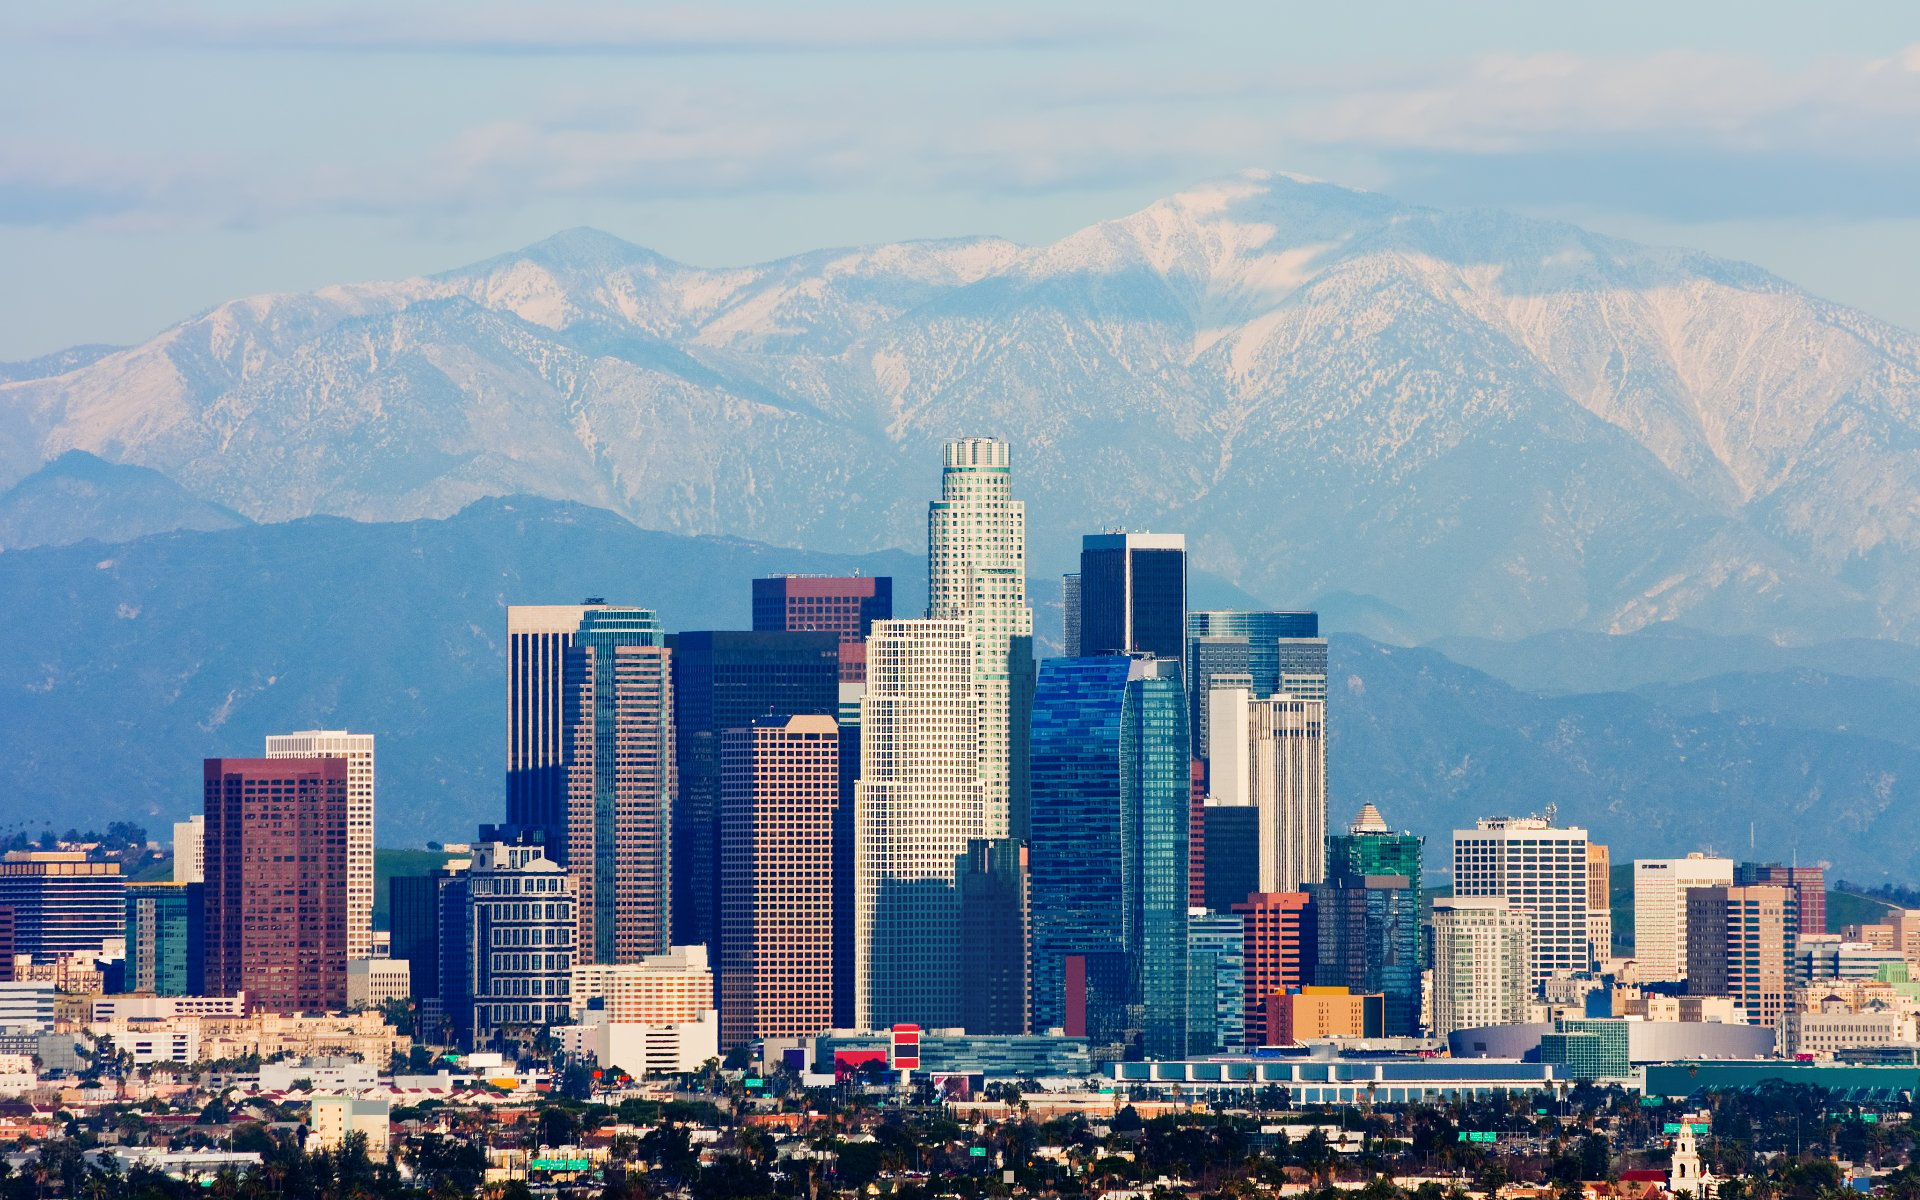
(164, 938)
(1076, 854)
(993, 936)
(1133, 596)
(1111, 788)
(1156, 811)
(725, 680)
(1233, 855)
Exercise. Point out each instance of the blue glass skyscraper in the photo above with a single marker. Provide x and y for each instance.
(1111, 780)
(1074, 865)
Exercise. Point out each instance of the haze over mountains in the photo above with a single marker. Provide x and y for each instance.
(1497, 426)
(125, 664)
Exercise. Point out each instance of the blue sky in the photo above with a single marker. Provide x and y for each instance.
(158, 158)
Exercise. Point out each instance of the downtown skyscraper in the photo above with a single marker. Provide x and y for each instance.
(1111, 789)
(357, 749)
(276, 889)
(617, 713)
(918, 805)
(977, 575)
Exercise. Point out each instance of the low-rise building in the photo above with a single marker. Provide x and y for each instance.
(372, 982)
(641, 1050)
(265, 1035)
(331, 1119)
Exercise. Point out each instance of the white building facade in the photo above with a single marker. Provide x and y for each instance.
(357, 749)
(521, 931)
(1541, 871)
(919, 800)
(1660, 910)
(190, 849)
(977, 575)
(1480, 963)
(1287, 782)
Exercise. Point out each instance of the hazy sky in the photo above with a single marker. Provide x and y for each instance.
(157, 158)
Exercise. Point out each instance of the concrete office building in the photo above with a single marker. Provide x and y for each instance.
(1660, 910)
(779, 786)
(1542, 871)
(1740, 943)
(726, 680)
(918, 804)
(1133, 595)
(62, 904)
(520, 938)
(189, 856)
(538, 638)
(1599, 903)
(1277, 954)
(357, 750)
(1287, 773)
(276, 888)
(618, 715)
(977, 575)
(652, 1017)
(1482, 962)
(1070, 615)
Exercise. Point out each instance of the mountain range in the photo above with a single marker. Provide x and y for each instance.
(127, 663)
(1483, 425)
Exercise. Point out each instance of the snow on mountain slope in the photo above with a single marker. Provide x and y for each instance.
(1506, 425)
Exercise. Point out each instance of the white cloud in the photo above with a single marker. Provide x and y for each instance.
(1678, 134)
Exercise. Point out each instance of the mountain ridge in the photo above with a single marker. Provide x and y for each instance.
(1506, 425)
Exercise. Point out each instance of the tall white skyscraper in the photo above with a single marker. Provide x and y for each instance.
(190, 850)
(918, 801)
(357, 749)
(1660, 910)
(1480, 963)
(977, 574)
(1287, 781)
(1542, 872)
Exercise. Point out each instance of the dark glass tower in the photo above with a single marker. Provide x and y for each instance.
(1133, 594)
(1156, 813)
(723, 680)
(993, 936)
(1111, 787)
(1367, 916)
(165, 938)
(1077, 843)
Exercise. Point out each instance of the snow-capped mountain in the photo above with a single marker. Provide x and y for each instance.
(1500, 424)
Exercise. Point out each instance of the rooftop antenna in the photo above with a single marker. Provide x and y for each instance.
(1552, 811)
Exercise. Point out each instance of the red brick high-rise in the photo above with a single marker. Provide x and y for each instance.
(276, 882)
(844, 604)
(1278, 954)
